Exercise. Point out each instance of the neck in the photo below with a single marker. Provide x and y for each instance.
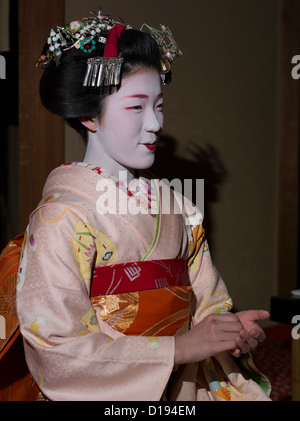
(97, 158)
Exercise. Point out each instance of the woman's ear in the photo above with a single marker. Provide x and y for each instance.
(90, 122)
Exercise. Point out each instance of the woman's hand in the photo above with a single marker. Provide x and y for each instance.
(236, 333)
(251, 334)
(215, 333)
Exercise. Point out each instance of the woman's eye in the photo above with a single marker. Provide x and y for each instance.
(160, 106)
(134, 107)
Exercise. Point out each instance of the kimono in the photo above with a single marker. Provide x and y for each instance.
(101, 293)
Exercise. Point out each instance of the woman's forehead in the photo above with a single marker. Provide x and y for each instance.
(142, 84)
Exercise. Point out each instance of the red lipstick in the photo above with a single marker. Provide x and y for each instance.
(150, 147)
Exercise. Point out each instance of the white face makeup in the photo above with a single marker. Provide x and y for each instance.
(127, 134)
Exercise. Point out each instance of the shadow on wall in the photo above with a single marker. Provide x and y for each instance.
(206, 165)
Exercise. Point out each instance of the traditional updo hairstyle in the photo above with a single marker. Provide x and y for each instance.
(61, 89)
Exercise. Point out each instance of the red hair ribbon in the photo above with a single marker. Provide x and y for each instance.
(111, 45)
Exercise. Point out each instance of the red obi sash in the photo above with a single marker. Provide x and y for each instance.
(149, 298)
(139, 276)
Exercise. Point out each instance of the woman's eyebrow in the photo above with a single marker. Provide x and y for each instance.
(137, 96)
(142, 96)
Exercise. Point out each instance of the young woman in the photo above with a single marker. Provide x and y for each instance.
(117, 297)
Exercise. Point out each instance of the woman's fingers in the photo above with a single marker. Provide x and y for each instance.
(249, 339)
(246, 342)
(224, 323)
(214, 334)
(223, 346)
(259, 335)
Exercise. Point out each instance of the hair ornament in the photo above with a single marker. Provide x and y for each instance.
(103, 71)
(106, 70)
(168, 48)
(81, 34)
(84, 34)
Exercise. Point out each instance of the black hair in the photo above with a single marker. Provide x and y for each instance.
(61, 89)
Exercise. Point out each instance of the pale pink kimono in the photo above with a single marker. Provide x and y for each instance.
(71, 352)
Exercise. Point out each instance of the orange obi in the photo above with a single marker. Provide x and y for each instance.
(149, 298)
(9, 263)
(16, 383)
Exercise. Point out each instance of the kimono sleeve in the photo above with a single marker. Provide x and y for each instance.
(228, 378)
(68, 354)
(209, 288)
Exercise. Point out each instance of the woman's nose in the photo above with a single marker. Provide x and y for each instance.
(154, 121)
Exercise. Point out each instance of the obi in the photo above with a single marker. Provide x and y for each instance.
(149, 298)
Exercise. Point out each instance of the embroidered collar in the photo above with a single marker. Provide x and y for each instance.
(141, 189)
